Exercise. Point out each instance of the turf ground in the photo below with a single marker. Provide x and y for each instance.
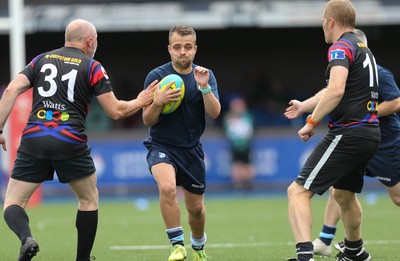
(240, 227)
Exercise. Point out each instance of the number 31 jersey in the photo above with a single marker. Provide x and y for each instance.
(64, 81)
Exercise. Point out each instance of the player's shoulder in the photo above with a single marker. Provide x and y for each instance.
(160, 71)
(165, 67)
(345, 46)
(384, 71)
(45, 54)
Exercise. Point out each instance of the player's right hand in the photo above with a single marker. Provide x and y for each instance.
(294, 110)
(166, 95)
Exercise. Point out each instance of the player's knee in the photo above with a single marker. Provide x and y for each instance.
(345, 199)
(291, 190)
(89, 203)
(396, 200)
(195, 209)
(167, 190)
(296, 191)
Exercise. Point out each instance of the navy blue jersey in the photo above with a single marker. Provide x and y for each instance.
(183, 127)
(356, 113)
(385, 164)
(64, 81)
(390, 125)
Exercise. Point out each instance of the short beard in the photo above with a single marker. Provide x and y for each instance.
(182, 66)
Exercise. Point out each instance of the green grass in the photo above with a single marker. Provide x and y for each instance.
(238, 228)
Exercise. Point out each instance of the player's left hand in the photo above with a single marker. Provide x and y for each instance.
(306, 132)
(3, 142)
(201, 75)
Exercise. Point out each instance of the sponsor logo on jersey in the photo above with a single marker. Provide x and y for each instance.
(362, 45)
(47, 113)
(372, 106)
(52, 115)
(65, 59)
(52, 105)
(337, 54)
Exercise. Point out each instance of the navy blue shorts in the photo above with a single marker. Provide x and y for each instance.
(339, 161)
(385, 166)
(30, 169)
(188, 163)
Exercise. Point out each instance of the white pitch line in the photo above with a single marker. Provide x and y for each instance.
(235, 245)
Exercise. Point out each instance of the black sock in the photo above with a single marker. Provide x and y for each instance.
(86, 224)
(18, 221)
(305, 251)
(327, 234)
(352, 248)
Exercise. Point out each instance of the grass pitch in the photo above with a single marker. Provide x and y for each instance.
(240, 227)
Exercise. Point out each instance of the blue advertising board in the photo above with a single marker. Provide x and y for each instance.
(123, 162)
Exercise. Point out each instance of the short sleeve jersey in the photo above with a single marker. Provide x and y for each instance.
(183, 127)
(239, 129)
(64, 81)
(356, 113)
(389, 124)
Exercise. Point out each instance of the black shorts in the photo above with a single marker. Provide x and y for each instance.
(339, 161)
(241, 155)
(188, 163)
(30, 169)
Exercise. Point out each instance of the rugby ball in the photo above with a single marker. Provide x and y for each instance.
(172, 106)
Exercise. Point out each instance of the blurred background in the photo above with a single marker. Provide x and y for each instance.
(265, 51)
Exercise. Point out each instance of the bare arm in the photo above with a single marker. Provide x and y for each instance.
(212, 105)
(388, 107)
(118, 109)
(333, 93)
(151, 113)
(329, 100)
(18, 86)
(297, 108)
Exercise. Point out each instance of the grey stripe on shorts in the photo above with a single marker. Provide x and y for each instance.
(322, 161)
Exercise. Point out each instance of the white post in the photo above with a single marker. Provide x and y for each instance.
(16, 27)
(17, 36)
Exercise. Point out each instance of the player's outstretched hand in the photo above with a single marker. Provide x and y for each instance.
(294, 110)
(147, 95)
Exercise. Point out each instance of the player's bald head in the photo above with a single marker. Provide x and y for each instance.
(83, 35)
(78, 30)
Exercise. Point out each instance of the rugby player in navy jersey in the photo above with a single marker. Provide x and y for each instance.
(350, 101)
(175, 155)
(384, 166)
(63, 81)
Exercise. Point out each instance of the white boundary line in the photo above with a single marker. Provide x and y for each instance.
(235, 245)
